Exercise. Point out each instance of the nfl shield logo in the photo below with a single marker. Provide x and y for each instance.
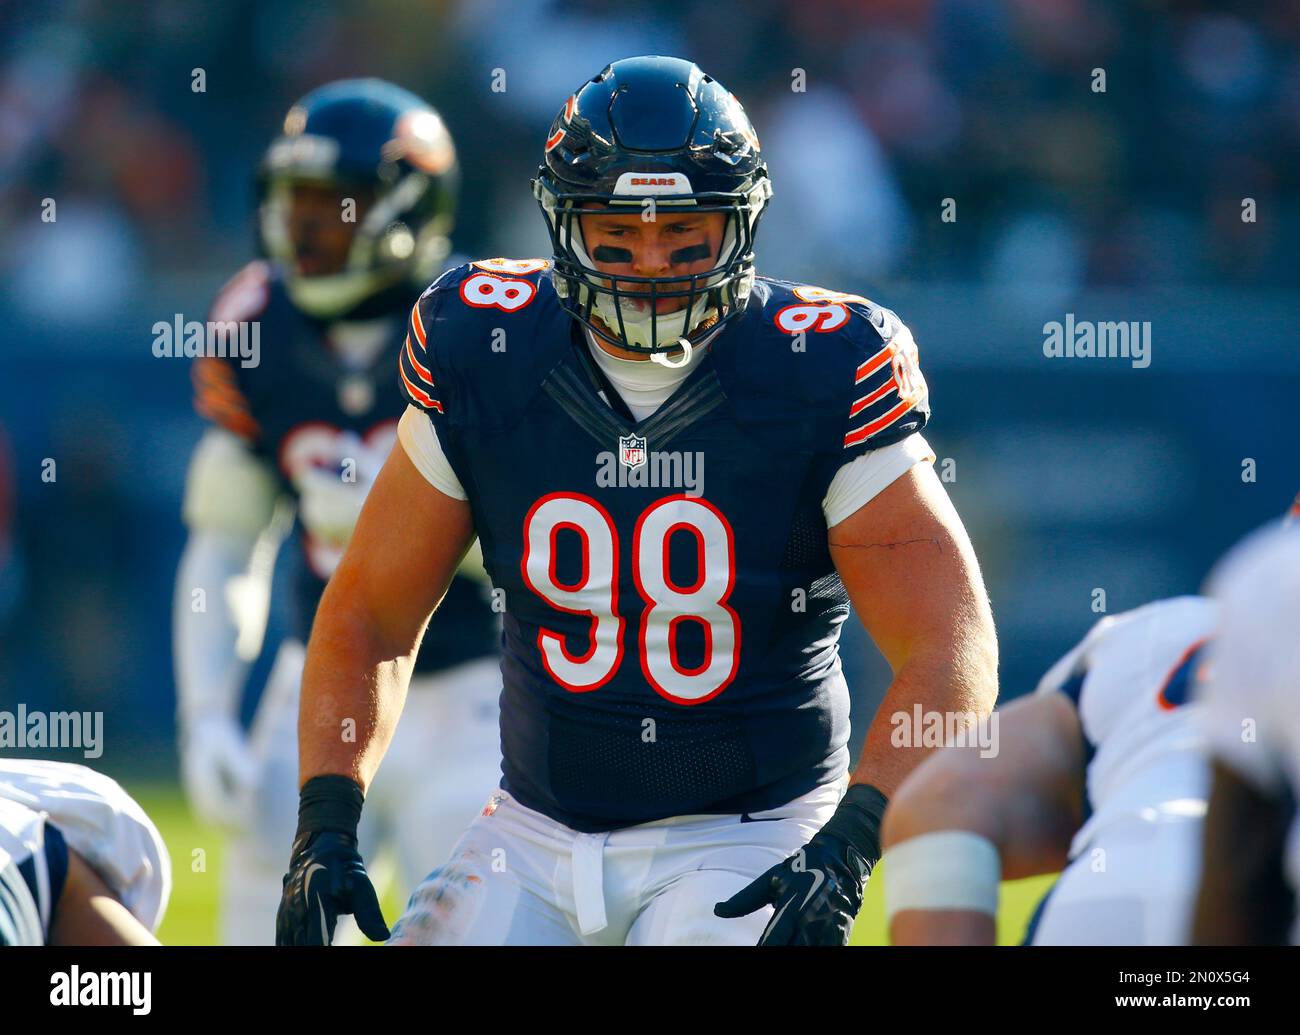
(631, 451)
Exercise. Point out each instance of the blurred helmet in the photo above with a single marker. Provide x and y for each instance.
(652, 127)
(389, 152)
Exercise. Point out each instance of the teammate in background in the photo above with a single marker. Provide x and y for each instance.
(357, 200)
(1251, 880)
(80, 862)
(680, 473)
(1100, 774)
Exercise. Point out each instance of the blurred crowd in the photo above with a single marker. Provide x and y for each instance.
(144, 121)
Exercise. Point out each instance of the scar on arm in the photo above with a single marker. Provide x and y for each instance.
(884, 546)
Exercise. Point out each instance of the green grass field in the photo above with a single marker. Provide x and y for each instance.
(196, 852)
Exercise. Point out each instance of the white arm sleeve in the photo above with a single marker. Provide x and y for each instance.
(420, 440)
(416, 433)
(863, 479)
(223, 583)
(217, 623)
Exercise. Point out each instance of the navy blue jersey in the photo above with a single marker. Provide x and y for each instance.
(671, 609)
(306, 412)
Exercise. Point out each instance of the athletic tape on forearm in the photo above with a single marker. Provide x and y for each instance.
(949, 869)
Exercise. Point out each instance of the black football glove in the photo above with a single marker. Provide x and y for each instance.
(817, 892)
(326, 875)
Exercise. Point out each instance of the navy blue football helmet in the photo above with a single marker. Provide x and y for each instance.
(369, 136)
(652, 127)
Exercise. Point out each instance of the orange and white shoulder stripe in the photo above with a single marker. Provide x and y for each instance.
(218, 398)
(413, 367)
(877, 397)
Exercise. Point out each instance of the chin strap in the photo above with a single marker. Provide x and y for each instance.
(662, 357)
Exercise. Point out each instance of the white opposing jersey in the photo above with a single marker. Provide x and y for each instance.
(1252, 689)
(1131, 679)
(102, 824)
(26, 898)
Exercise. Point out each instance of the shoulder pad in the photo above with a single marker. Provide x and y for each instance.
(246, 295)
(1154, 636)
(848, 362)
(221, 392)
(481, 339)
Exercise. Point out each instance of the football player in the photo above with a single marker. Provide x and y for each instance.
(1100, 774)
(1251, 871)
(680, 474)
(357, 199)
(80, 862)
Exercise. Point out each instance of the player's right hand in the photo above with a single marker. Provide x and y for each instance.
(219, 771)
(330, 500)
(327, 876)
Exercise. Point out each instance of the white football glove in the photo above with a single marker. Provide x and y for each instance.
(219, 771)
(328, 506)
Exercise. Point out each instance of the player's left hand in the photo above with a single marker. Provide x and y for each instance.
(817, 892)
(327, 876)
(326, 879)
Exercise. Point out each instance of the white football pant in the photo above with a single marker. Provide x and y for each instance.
(444, 759)
(1134, 884)
(520, 878)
